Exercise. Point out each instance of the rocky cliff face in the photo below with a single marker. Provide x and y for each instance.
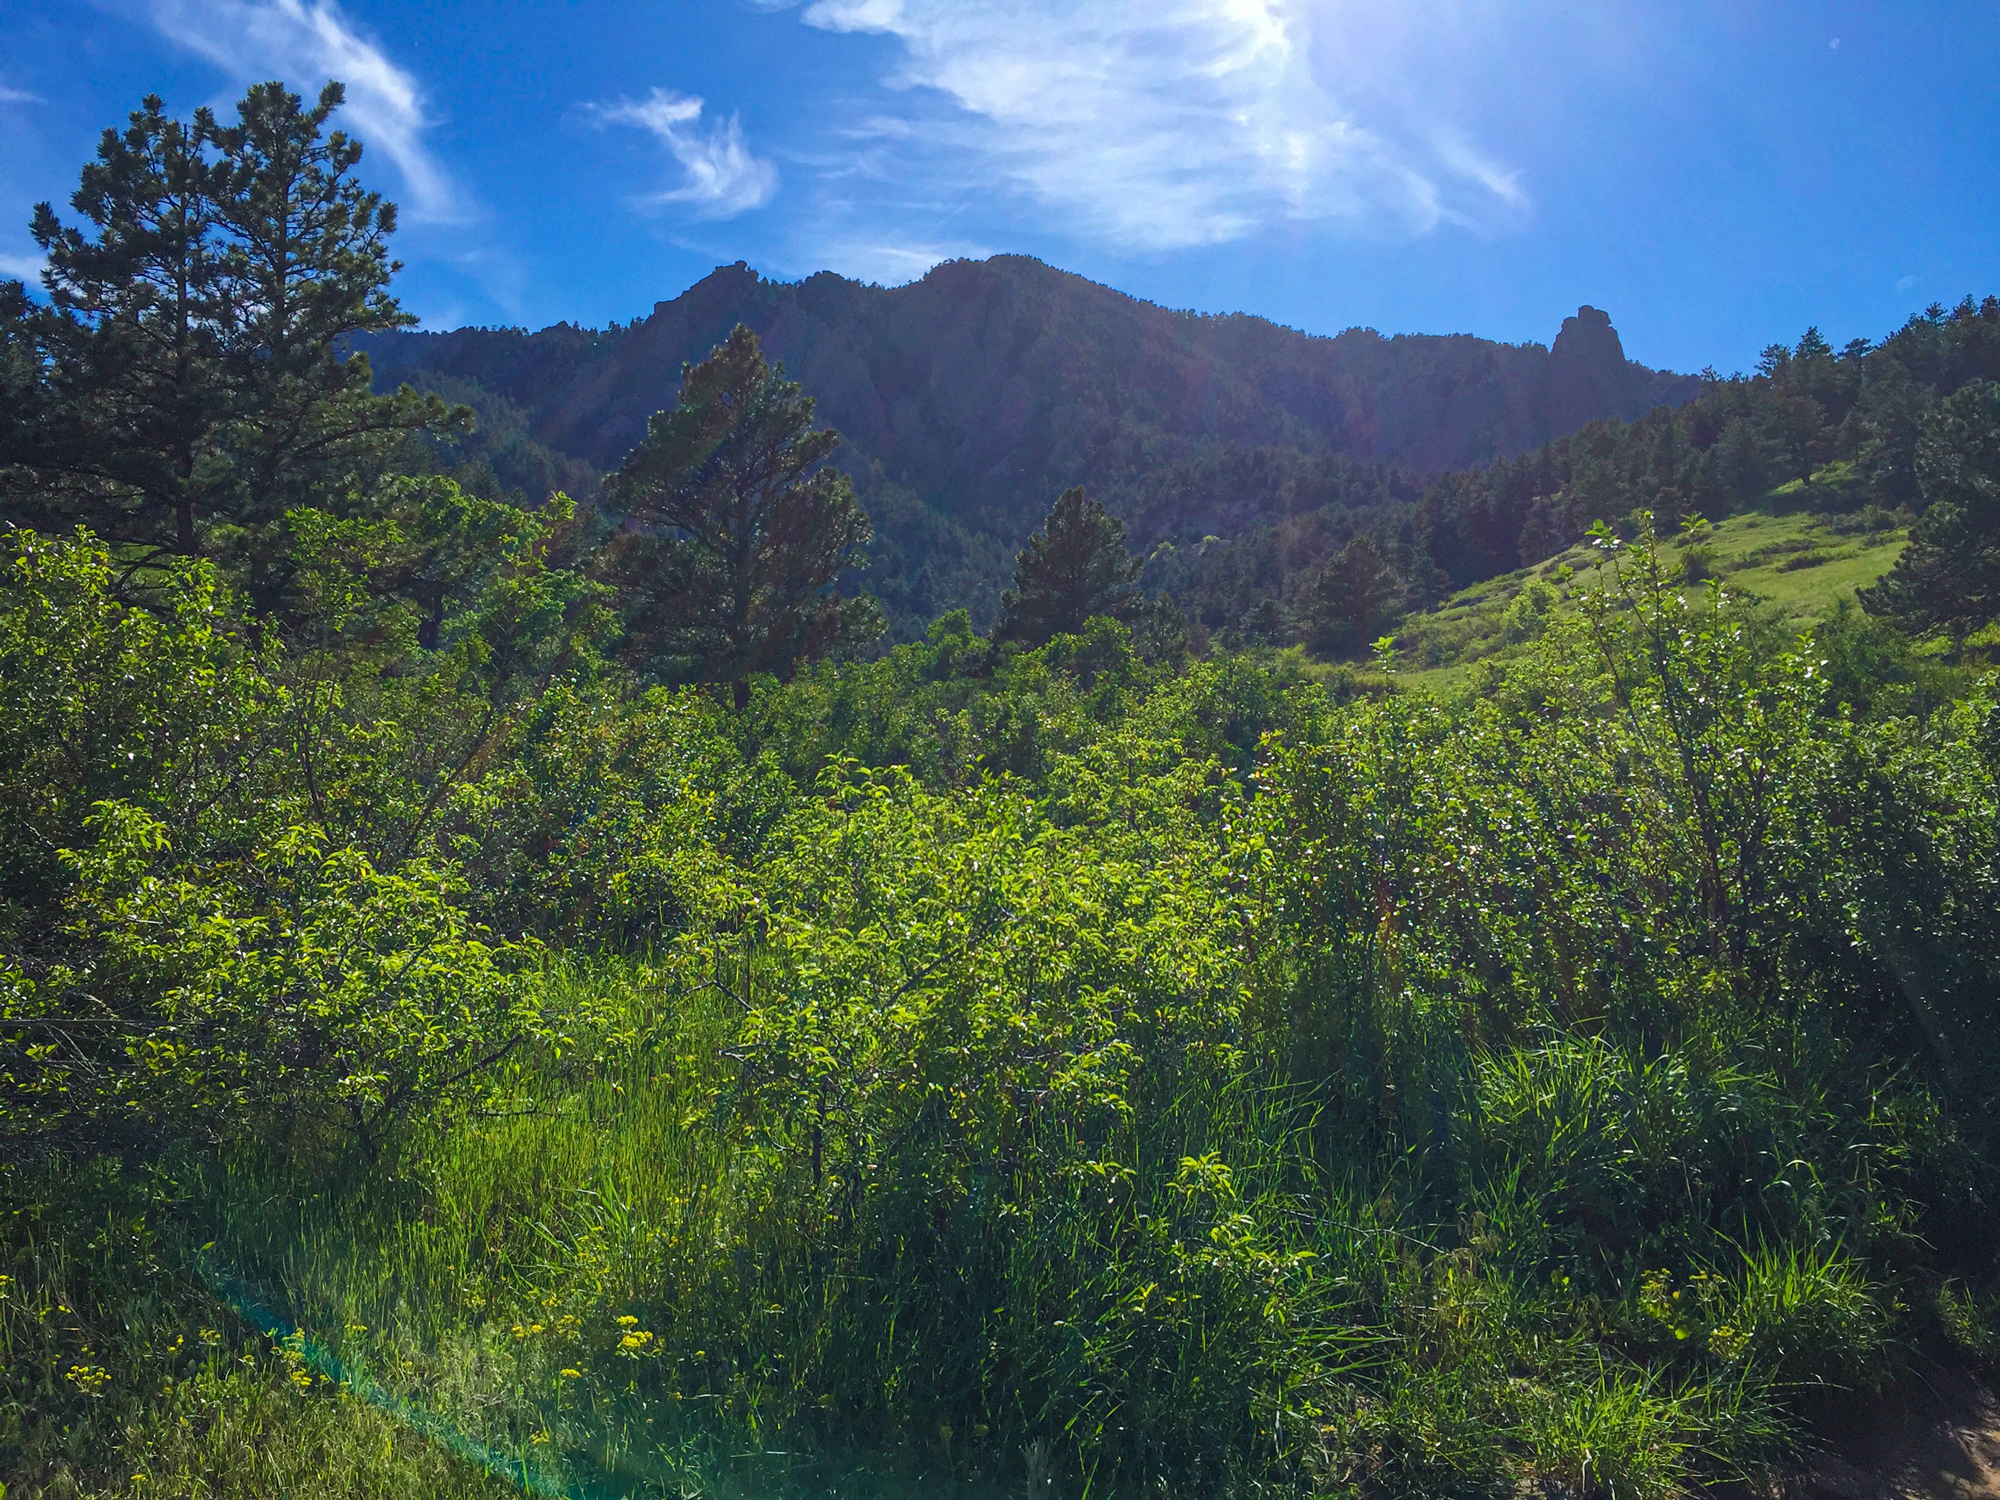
(1590, 377)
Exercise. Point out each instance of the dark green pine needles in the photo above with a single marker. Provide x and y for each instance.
(743, 529)
(1076, 566)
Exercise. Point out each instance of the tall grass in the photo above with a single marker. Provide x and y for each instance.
(119, 1375)
(624, 1289)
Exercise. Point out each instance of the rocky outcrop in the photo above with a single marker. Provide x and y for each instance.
(1589, 376)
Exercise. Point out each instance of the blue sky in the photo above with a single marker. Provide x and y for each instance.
(1716, 176)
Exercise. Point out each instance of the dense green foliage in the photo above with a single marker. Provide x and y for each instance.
(258, 918)
(1175, 1072)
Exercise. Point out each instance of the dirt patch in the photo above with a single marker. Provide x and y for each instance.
(1935, 1436)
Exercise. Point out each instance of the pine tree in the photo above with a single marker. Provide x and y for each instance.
(308, 265)
(131, 338)
(22, 389)
(745, 529)
(188, 361)
(1884, 429)
(1739, 465)
(1796, 426)
(1075, 567)
(1353, 594)
(1948, 578)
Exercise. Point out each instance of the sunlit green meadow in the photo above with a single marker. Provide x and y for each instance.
(1796, 567)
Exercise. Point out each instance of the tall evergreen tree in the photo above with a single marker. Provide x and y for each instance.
(1796, 425)
(130, 343)
(308, 265)
(1741, 472)
(22, 389)
(1948, 578)
(1884, 428)
(188, 359)
(746, 529)
(1076, 566)
(1356, 591)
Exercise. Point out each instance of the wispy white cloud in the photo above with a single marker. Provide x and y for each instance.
(306, 42)
(1458, 156)
(19, 96)
(892, 262)
(22, 267)
(719, 175)
(1158, 124)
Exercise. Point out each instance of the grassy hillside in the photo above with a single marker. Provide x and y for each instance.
(1797, 568)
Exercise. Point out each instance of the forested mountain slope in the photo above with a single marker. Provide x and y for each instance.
(1871, 434)
(968, 399)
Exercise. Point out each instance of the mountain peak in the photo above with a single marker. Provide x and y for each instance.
(982, 389)
(1589, 337)
(1589, 375)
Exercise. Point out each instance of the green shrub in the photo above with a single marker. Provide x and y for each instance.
(1618, 1436)
(1184, 1075)
(1970, 1320)
(1527, 616)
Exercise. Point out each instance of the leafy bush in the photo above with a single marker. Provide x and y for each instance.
(1527, 615)
(1185, 1076)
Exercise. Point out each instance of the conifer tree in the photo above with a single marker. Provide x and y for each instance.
(21, 385)
(1796, 425)
(1739, 464)
(1884, 428)
(1948, 578)
(130, 342)
(745, 529)
(308, 265)
(1075, 567)
(188, 366)
(1352, 594)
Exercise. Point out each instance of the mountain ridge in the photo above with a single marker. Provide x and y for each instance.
(608, 377)
(967, 399)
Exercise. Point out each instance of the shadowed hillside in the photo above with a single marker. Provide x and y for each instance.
(969, 398)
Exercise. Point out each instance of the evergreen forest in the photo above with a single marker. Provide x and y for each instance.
(528, 970)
